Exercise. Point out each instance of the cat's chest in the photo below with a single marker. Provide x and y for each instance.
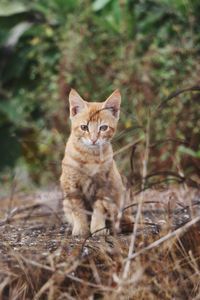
(95, 179)
(90, 167)
(93, 169)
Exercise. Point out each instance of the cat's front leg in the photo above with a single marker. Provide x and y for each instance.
(76, 215)
(98, 220)
(80, 225)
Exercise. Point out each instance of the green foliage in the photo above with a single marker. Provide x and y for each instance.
(188, 151)
(146, 48)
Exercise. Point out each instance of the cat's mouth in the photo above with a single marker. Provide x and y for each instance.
(92, 144)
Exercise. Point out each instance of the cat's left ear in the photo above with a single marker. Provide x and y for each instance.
(113, 103)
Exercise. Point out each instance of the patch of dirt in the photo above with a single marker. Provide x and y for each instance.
(40, 260)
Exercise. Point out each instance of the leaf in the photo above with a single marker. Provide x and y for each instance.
(12, 9)
(16, 33)
(189, 151)
(99, 4)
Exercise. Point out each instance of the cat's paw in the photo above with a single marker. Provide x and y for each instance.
(100, 232)
(98, 220)
(98, 228)
(80, 230)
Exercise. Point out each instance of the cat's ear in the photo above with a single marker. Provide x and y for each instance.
(76, 103)
(113, 103)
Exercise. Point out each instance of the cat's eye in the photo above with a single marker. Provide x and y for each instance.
(103, 127)
(84, 127)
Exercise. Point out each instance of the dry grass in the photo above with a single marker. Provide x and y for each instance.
(40, 260)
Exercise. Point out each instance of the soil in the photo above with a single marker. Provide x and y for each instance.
(34, 232)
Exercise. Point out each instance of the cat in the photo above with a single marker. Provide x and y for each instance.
(91, 183)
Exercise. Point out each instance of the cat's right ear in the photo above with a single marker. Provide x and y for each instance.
(76, 103)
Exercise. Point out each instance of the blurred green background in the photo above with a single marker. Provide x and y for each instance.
(147, 49)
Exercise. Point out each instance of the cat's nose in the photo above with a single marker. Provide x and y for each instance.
(94, 141)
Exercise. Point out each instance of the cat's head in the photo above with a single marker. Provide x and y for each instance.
(94, 123)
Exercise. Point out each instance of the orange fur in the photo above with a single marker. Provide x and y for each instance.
(90, 179)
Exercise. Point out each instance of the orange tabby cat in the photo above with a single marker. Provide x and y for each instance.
(91, 183)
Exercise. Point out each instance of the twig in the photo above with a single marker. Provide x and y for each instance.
(195, 88)
(44, 288)
(12, 192)
(102, 287)
(31, 208)
(38, 265)
(164, 239)
(144, 202)
(127, 146)
(132, 156)
(169, 140)
(141, 199)
(17, 210)
(89, 236)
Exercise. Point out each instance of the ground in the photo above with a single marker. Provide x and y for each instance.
(39, 259)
